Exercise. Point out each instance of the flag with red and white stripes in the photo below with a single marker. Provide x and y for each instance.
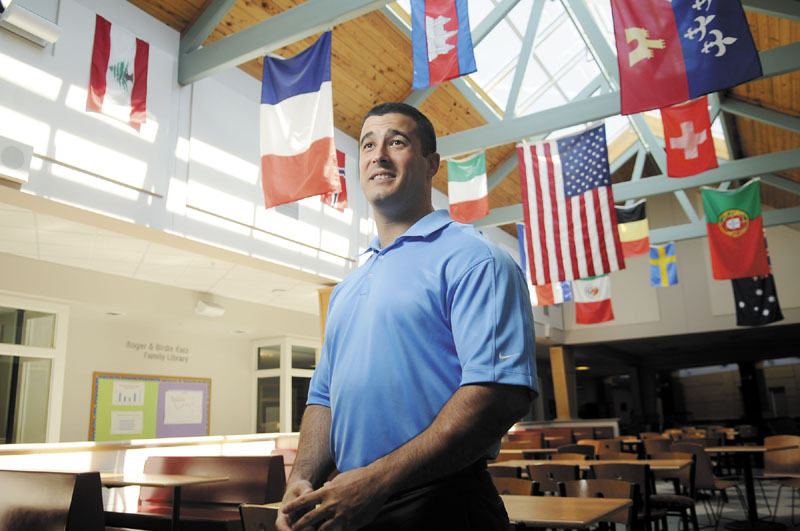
(570, 222)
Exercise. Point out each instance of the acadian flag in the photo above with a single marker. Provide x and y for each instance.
(545, 294)
(687, 130)
(298, 156)
(593, 300)
(672, 51)
(467, 189)
(736, 232)
(570, 221)
(663, 265)
(441, 42)
(334, 199)
(634, 230)
(118, 79)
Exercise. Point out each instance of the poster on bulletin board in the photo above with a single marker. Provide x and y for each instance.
(129, 406)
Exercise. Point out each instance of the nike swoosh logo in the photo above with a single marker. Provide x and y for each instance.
(509, 356)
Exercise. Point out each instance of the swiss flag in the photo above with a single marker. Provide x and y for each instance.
(687, 134)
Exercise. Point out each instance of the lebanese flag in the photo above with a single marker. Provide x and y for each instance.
(687, 132)
(736, 231)
(593, 300)
(333, 199)
(467, 190)
(118, 79)
(672, 51)
(441, 42)
(298, 156)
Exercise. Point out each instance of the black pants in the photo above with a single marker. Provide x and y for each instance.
(464, 501)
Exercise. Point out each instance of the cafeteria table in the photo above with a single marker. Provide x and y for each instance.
(744, 454)
(585, 465)
(565, 513)
(174, 481)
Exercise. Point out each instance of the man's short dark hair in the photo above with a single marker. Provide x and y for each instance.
(424, 127)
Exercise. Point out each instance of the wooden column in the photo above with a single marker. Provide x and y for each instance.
(562, 363)
(324, 298)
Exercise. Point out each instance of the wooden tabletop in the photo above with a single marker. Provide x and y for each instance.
(156, 480)
(555, 511)
(747, 449)
(655, 464)
(529, 450)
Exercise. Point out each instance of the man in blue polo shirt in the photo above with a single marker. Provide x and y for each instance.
(428, 360)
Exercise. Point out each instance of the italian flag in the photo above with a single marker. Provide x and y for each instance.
(736, 232)
(467, 189)
(592, 300)
(118, 81)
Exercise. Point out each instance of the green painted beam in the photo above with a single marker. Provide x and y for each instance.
(780, 60)
(761, 114)
(595, 41)
(502, 172)
(491, 20)
(205, 24)
(698, 229)
(789, 9)
(781, 182)
(739, 169)
(523, 59)
(299, 22)
(632, 151)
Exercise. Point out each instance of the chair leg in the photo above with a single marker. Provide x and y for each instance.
(793, 522)
(764, 494)
(695, 523)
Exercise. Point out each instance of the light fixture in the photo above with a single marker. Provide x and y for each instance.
(582, 368)
(28, 24)
(207, 307)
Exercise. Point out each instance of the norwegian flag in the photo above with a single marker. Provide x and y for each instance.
(338, 200)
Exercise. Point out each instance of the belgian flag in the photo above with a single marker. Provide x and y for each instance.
(634, 231)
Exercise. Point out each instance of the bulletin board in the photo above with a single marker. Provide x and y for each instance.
(131, 406)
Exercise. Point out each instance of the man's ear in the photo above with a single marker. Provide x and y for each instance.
(433, 164)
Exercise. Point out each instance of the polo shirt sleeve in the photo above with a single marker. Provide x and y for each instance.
(492, 324)
(319, 388)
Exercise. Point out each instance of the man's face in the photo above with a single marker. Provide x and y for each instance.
(395, 177)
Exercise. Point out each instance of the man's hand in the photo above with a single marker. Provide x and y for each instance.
(352, 499)
(293, 491)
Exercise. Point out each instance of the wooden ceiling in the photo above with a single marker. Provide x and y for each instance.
(371, 64)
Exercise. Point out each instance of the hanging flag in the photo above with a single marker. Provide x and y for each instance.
(118, 79)
(672, 51)
(338, 200)
(570, 221)
(687, 132)
(735, 231)
(634, 230)
(663, 265)
(544, 294)
(298, 156)
(593, 300)
(467, 189)
(756, 301)
(441, 42)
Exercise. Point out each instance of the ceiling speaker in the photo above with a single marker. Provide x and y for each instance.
(15, 160)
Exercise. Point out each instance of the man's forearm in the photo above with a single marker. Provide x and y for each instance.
(474, 418)
(314, 462)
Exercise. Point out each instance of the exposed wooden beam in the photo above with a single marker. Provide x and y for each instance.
(205, 24)
(789, 9)
(279, 30)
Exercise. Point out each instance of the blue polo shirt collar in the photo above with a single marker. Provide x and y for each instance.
(433, 222)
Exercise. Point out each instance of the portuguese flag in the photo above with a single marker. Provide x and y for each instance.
(736, 232)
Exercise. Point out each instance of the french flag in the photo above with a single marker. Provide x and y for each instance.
(298, 155)
(441, 42)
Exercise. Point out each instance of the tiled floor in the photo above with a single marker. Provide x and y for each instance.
(733, 509)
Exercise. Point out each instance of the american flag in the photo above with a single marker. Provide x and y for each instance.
(570, 222)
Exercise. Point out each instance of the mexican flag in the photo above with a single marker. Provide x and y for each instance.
(118, 80)
(592, 300)
(736, 232)
(467, 189)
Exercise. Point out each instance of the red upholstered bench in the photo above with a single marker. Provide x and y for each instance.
(212, 506)
(71, 501)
